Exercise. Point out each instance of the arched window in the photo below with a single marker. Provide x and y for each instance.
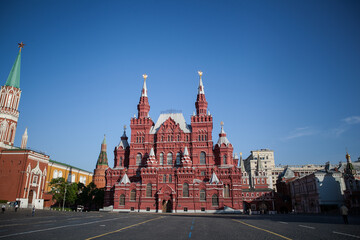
(148, 190)
(215, 200)
(120, 161)
(226, 191)
(187, 138)
(60, 174)
(205, 137)
(133, 195)
(73, 178)
(169, 158)
(186, 190)
(162, 138)
(170, 178)
(122, 200)
(178, 158)
(199, 137)
(178, 138)
(202, 195)
(164, 178)
(202, 158)
(202, 137)
(55, 174)
(138, 159)
(84, 180)
(224, 159)
(161, 158)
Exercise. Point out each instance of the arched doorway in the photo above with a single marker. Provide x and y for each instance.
(32, 197)
(166, 206)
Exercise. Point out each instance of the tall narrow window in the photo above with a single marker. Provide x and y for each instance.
(161, 158)
(202, 158)
(205, 137)
(55, 174)
(202, 195)
(60, 173)
(164, 178)
(226, 191)
(120, 161)
(224, 159)
(178, 158)
(170, 178)
(169, 159)
(215, 200)
(178, 138)
(148, 190)
(186, 190)
(122, 200)
(199, 137)
(187, 138)
(138, 159)
(133, 195)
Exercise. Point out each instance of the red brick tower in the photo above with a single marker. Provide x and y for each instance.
(101, 166)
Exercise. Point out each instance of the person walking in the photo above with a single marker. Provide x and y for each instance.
(344, 212)
(3, 208)
(16, 207)
(33, 211)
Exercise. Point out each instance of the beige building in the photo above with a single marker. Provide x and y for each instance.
(268, 164)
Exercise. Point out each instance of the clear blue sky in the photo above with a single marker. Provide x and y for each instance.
(283, 75)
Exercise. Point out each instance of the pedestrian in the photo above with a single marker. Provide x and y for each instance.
(16, 207)
(3, 208)
(344, 212)
(33, 211)
(249, 211)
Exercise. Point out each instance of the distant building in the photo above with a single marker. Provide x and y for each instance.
(351, 172)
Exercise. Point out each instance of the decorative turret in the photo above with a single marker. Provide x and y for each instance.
(143, 106)
(201, 103)
(151, 161)
(125, 179)
(242, 167)
(186, 160)
(214, 179)
(124, 140)
(24, 139)
(222, 136)
(9, 102)
(349, 166)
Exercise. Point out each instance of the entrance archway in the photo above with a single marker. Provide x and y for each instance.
(166, 206)
(32, 197)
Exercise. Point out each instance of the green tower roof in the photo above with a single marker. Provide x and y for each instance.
(14, 76)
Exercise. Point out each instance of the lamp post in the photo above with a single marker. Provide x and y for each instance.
(64, 196)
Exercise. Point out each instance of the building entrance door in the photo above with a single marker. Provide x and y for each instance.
(166, 206)
(31, 198)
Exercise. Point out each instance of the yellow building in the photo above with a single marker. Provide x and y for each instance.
(70, 173)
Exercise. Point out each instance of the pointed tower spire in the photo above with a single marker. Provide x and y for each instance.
(201, 85)
(103, 160)
(242, 167)
(143, 106)
(10, 97)
(124, 143)
(24, 139)
(201, 103)
(125, 179)
(222, 136)
(144, 89)
(13, 79)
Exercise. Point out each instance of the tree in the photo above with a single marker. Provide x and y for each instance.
(58, 186)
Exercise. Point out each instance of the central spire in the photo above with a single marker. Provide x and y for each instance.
(13, 79)
(201, 103)
(201, 86)
(144, 89)
(143, 106)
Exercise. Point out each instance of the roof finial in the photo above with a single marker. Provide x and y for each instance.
(124, 128)
(201, 86)
(21, 46)
(144, 90)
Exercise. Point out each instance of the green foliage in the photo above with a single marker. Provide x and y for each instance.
(77, 194)
(58, 188)
(3, 201)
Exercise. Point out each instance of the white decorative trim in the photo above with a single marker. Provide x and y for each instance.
(9, 116)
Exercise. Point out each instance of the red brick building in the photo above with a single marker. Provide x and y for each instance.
(22, 171)
(172, 166)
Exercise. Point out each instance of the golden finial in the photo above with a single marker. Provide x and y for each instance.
(21, 45)
(145, 76)
(124, 127)
(200, 73)
(222, 123)
(241, 154)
